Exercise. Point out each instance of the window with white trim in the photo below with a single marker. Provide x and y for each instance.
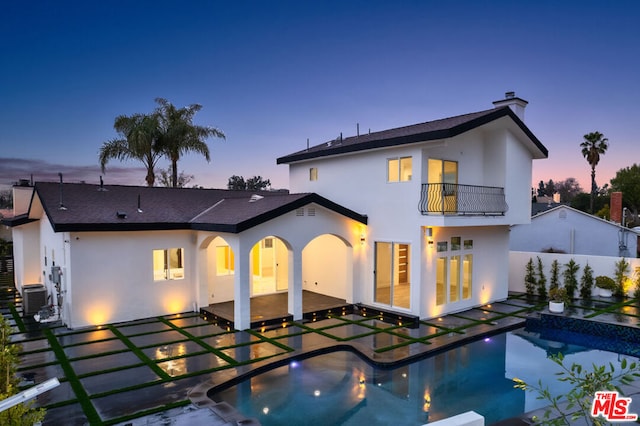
(313, 174)
(399, 169)
(168, 264)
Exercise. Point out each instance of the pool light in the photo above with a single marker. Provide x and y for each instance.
(316, 392)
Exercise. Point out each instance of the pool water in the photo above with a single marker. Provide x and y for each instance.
(341, 389)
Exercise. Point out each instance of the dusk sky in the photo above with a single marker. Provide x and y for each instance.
(271, 74)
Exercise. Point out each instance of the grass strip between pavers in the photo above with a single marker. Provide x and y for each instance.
(270, 340)
(324, 331)
(17, 318)
(143, 357)
(78, 389)
(610, 309)
(198, 340)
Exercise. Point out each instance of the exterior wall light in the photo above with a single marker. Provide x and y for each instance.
(428, 232)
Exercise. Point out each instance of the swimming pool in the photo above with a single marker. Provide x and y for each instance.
(341, 389)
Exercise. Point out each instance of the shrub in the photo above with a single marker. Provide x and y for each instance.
(605, 282)
(541, 281)
(554, 282)
(530, 279)
(570, 277)
(24, 413)
(558, 294)
(622, 268)
(586, 283)
(580, 397)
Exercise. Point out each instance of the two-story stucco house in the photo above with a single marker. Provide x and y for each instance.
(440, 197)
(414, 220)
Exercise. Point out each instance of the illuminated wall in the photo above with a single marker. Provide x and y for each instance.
(112, 278)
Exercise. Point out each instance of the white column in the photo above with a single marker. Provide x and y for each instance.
(295, 283)
(242, 295)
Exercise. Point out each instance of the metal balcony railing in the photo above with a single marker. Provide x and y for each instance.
(455, 199)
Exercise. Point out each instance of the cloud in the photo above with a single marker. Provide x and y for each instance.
(14, 169)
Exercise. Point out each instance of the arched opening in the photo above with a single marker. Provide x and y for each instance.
(219, 271)
(269, 264)
(327, 267)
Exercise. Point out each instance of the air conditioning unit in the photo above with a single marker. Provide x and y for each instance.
(34, 297)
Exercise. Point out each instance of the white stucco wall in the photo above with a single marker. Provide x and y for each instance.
(490, 268)
(26, 242)
(571, 231)
(517, 186)
(112, 278)
(488, 156)
(21, 199)
(53, 252)
(359, 181)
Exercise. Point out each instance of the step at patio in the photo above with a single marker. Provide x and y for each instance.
(387, 315)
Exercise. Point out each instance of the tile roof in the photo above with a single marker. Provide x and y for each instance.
(90, 207)
(431, 130)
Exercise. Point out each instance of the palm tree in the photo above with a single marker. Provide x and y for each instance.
(593, 146)
(178, 134)
(139, 140)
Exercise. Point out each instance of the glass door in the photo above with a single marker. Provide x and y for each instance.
(383, 265)
(392, 274)
(446, 173)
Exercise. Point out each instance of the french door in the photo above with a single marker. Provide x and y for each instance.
(392, 283)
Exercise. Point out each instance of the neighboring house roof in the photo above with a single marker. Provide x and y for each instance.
(537, 208)
(571, 209)
(431, 130)
(563, 229)
(115, 208)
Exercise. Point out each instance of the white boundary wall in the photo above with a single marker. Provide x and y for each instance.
(601, 265)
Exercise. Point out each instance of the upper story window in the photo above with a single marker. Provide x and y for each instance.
(313, 173)
(168, 264)
(399, 169)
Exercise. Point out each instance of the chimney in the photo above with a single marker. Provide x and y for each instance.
(615, 210)
(22, 192)
(516, 104)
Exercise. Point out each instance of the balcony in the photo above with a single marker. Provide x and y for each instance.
(463, 200)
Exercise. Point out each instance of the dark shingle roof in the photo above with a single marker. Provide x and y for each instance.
(115, 207)
(431, 130)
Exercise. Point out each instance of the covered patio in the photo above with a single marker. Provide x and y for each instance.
(272, 309)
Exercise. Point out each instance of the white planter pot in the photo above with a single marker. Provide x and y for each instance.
(603, 292)
(556, 307)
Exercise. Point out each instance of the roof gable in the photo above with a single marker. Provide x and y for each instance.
(571, 210)
(431, 130)
(84, 207)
